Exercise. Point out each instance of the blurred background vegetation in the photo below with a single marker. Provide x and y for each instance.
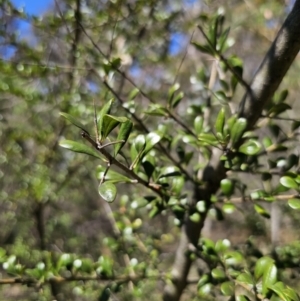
(51, 213)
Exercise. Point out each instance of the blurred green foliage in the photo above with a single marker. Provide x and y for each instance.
(103, 222)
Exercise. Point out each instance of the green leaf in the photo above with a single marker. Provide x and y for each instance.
(269, 277)
(208, 139)
(198, 124)
(195, 217)
(221, 96)
(288, 182)
(140, 143)
(219, 124)
(262, 211)
(222, 46)
(80, 148)
(246, 278)
(132, 95)
(105, 110)
(279, 289)
(265, 270)
(278, 109)
(227, 187)
(169, 171)
(116, 62)
(228, 208)
(105, 294)
(137, 149)
(177, 184)
(111, 176)
(218, 273)
(109, 123)
(281, 96)
(250, 147)
(233, 258)
(148, 167)
(74, 121)
(157, 110)
(237, 130)
(108, 191)
(204, 48)
(177, 99)
(203, 280)
(228, 288)
(171, 93)
(261, 265)
(295, 125)
(294, 203)
(123, 135)
(151, 139)
(222, 245)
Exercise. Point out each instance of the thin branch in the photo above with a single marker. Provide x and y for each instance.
(183, 58)
(144, 128)
(237, 200)
(154, 187)
(224, 60)
(59, 279)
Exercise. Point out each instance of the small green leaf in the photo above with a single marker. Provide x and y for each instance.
(171, 93)
(157, 110)
(295, 125)
(278, 109)
(208, 139)
(137, 150)
(74, 121)
(140, 143)
(111, 176)
(237, 130)
(279, 289)
(219, 124)
(80, 148)
(108, 191)
(132, 95)
(265, 270)
(250, 147)
(109, 123)
(281, 96)
(105, 294)
(154, 212)
(148, 167)
(177, 99)
(269, 277)
(198, 124)
(204, 48)
(294, 203)
(105, 110)
(151, 139)
(227, 288)
(222, 245)
(228, 208)
(221, 96)
(123, 135)
(218, 274)
(246, 278)
(262, 211)
(177, 184)
(169, 171)
(227, 187)
(195, 217)
(203, 280)
(288, 182)
(261, 265)
(116, 62)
